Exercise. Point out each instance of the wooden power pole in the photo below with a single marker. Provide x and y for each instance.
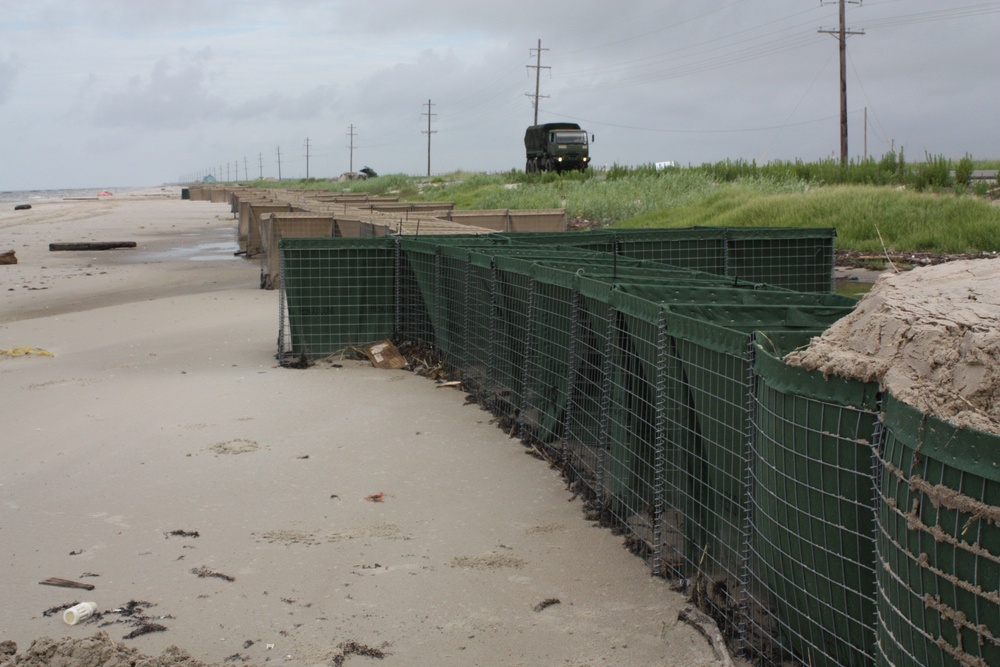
(842, 33)
(429, 132)
(538, 70)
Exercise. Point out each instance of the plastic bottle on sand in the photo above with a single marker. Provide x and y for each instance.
(79, 613)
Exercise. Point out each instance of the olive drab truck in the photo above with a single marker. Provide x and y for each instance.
(556, 147)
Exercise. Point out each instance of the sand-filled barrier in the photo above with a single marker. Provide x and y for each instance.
(930, 336)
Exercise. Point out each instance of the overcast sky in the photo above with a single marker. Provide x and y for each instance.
(105, 93)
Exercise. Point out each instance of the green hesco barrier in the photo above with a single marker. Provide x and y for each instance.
(634, 430)
(812, 548)
(712, 345)
(801, 259)
(337, 292)
(937, 542)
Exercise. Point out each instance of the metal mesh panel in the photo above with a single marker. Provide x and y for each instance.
(417, 292)
(938, 543)
(337, 293)
(507, 354)
(811, 559)
(479, 330)
(797, 259)
(547, 367)
(701, 250)
(453, 268)
(708, 412)
(634, 431)
(585, 440)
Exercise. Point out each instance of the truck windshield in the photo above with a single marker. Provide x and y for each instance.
(569, 137)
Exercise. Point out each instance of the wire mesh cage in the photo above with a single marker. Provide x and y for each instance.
(937, 542)
(812, 548)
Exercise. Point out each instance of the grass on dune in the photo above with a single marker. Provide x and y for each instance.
(907, 221)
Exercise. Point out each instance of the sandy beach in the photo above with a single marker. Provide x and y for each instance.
(265, 515)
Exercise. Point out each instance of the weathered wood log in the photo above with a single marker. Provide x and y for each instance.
(8, 257)
(66, 583)
(92, 245)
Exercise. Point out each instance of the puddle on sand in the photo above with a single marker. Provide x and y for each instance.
(200, 252)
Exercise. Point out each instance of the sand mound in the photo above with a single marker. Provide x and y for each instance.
(100, 650)
(930, 336)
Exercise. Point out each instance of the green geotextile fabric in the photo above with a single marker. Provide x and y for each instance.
(812, 542)
(329, 307)
(710, 414)
(938, 542)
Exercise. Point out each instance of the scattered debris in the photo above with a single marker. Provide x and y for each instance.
(22, 207)
(376, 497)
(59, 609)
(66, 583)
(546, 603)
(704, 624)
(8, 648)
(92, 245)
(145, 629)
(76, 553)
(8, 257)
(385, 355)
(350, 648)
(25, 351)
(204, 572)
(183, 533)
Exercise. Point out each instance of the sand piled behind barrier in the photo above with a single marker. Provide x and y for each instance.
(930, 336)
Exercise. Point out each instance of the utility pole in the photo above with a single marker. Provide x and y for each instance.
(538, 70)
(307, 158)
(428, 132)
(236, 168)
(351, 135)
(842, 33)
(866, 133)
(246, 172)
(260, 163)
(279, 163)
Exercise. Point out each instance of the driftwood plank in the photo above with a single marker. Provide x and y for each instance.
(66, 583)
(92, 245)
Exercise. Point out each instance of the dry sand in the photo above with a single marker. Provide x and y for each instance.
(162, 414)
(930, 336)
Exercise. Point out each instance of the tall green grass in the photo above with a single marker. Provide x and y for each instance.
(787, 194)
(907, 221)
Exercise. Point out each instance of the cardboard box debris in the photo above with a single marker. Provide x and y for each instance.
(385, 355)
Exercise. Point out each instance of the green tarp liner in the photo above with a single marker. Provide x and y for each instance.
(790, 257)
(338, 292)
(712, 346)
(797, 258)
(812, 546)
(938, 542)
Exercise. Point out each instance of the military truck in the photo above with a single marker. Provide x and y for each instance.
(556, 147)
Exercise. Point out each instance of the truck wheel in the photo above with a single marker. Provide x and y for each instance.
(528, 167)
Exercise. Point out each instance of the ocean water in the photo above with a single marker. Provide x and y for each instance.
(29, 196)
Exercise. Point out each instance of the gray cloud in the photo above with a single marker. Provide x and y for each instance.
(8, 72)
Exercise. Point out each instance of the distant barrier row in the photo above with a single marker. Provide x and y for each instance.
(819, 521)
